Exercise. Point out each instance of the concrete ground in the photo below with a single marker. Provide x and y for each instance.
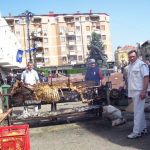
(94, 134)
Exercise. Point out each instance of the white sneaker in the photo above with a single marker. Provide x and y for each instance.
(134, 135)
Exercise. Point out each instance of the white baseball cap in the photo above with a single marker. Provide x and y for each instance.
(91, 61)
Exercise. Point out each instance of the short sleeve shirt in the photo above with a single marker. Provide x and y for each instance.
(30, 77)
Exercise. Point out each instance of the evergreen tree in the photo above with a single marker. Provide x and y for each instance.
(96, 50)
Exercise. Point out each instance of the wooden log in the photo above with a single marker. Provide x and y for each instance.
(5, 114)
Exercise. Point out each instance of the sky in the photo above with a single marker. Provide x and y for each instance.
(129, 19)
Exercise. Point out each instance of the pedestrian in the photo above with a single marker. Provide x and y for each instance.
(10, 78)
(125, 75)
(93, 73)
(1, 80)
(30, 77)
(148, 63)
(138, 78)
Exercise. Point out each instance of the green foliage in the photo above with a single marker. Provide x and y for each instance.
(45, 70)
(96, 50)
(75, 71)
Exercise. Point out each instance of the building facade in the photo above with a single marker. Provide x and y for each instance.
(121, 55)
(144, 49)
(61, 39)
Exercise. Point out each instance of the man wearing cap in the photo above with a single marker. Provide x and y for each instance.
(93, 74)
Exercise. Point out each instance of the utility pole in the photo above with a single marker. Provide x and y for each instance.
(34, 38)
(28, 15)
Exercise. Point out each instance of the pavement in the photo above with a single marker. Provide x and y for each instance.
(96, 134)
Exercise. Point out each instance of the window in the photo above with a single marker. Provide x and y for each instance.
(103, 37)
(77, 19)
(37, 20)
(46, 60)
(102, 27)
(71, 38)
(45, 32)
(87, 18)
(78, 38)
(87, 28)
(45, 40)
(105, 47)
(62, 30)
(46, 50)
(71, 47)
(64, 59)
(16, 21)
(77, 28)
(97, 27)
(80, 58)
(62, 39)
(88, 38)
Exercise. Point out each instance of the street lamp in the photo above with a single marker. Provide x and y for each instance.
(28, 15)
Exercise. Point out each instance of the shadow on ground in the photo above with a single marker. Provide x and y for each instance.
(102, 129)
(118, 134)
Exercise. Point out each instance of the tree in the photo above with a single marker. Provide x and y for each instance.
(96, 50)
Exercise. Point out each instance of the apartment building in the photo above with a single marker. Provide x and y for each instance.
(144, 50)
(61, 39)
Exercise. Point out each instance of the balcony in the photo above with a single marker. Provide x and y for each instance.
(94, 18)
(39, 55)
(71, 47)
(70, 33)
(10, 21)
(71, 42)
(72, 52)
(39, 44)
(69, 18)
(38, 34)
(98, 31)
(39, 64)
(37, 20)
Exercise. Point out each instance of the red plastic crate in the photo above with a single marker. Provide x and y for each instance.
(15, 137)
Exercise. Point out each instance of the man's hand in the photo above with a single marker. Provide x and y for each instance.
(21, 83)
(143, 94)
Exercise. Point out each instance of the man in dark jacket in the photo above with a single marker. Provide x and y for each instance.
(93, 74)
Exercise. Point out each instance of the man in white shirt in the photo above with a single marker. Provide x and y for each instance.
(138, 78)
(29, 77)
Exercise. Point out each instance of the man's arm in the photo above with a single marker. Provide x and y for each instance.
(37, 77)
(145, 83)
(22, 77)
(145, 86)
(100, 74)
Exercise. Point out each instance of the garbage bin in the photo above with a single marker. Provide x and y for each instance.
(5, 89)
(1, 103)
